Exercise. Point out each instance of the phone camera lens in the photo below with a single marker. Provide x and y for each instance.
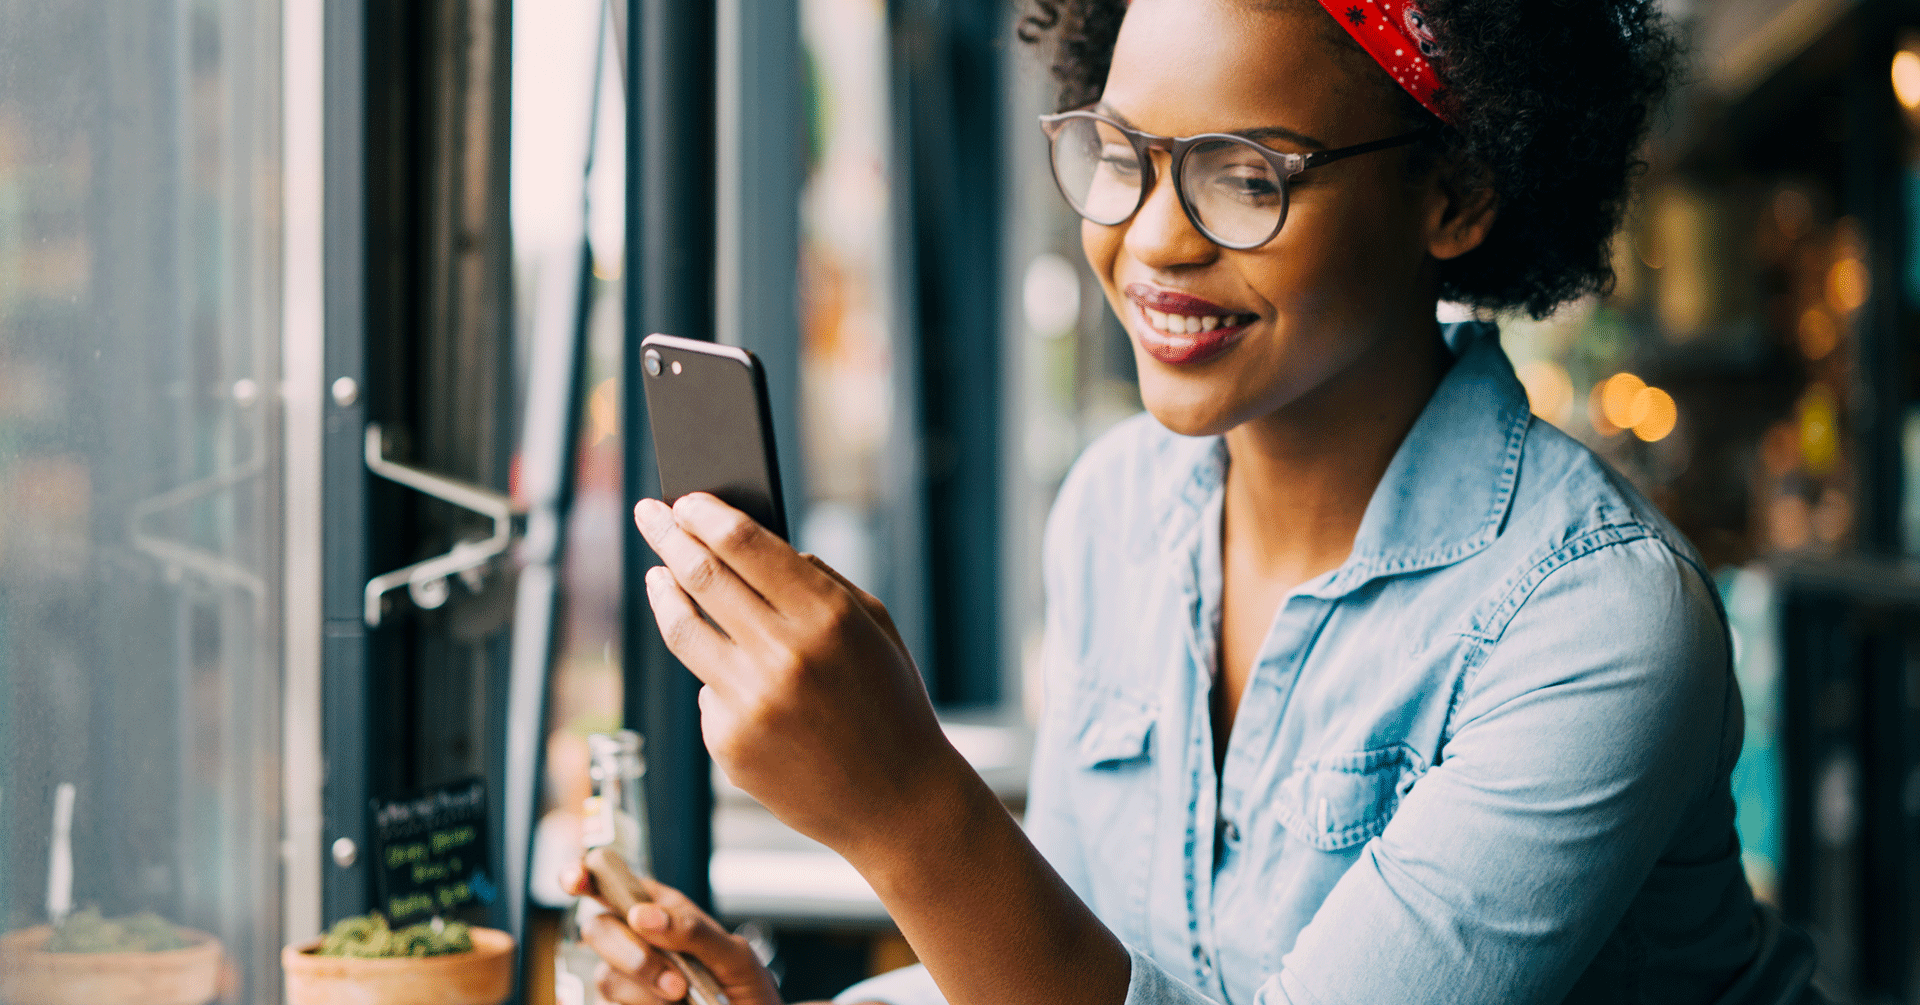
(653, 362)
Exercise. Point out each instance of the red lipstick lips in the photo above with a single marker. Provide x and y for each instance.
(1177, 328)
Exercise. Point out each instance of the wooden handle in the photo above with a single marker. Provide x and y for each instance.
(621, 889)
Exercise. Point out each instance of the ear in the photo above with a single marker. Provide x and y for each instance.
(1461, 207)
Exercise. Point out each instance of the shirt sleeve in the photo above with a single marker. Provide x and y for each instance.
(905, 986)
(1147, 984)
(1595, 721)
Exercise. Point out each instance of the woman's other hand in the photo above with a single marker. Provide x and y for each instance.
(632, 970)
(811, 703)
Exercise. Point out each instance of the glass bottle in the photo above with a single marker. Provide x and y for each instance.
(616, 812)
(615, 815)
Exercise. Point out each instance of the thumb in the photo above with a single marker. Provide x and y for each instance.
(674, 922)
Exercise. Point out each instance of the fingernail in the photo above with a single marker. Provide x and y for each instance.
(647, 916)
(636, 958)
(695, 501)
(648, 514)
(657, 577)
(669, 984)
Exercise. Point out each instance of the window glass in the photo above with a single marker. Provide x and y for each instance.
(559, 127)
(847, 355)
(140, 643)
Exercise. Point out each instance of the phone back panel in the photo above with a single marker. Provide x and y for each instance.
(712, 429)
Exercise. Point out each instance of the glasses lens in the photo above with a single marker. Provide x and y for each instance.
(1097, 169)
(1234, 191)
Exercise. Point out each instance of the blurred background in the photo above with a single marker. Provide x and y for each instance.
(318, 323)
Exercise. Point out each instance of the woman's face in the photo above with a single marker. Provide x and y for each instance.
(1343, 285)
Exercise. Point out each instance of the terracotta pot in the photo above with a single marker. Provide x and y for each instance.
(481, 977)
(29, 975)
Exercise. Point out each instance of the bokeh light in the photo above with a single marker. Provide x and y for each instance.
(1620, 400)
(1780, 449)
(1597, 411)
(1832, 516)
(1906, 78)
(1847, 284)
(1817, 334)
(1789, 522)
(1819, 430)
(1658, 415)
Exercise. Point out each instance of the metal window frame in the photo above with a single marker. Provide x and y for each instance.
(345, 733)
(670, 288)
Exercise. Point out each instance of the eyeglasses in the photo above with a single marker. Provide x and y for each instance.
(1232, 187)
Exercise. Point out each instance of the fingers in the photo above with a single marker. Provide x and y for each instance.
(688, 635)
(701, 572)
(765, 563)
(576, 881)
(623, 989)
(674, 922)
(624, 952)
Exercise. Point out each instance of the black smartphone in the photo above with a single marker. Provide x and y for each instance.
(712, 426)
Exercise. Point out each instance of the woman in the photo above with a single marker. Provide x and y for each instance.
(1362, 685)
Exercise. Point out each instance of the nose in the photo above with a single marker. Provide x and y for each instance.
(1160, 235)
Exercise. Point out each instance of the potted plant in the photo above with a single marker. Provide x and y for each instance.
(88, 959)
(363, 961)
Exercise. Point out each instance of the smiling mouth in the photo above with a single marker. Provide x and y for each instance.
(1179, 328)
(1168, 323)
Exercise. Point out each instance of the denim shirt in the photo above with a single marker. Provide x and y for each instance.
(1483, 760)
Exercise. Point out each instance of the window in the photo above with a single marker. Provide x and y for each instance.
(140, 464)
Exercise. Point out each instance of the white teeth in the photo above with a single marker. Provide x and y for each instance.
(1190, 324)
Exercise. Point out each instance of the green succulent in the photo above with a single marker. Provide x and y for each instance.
(367, 937)
(86, 931)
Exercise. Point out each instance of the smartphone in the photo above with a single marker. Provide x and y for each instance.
(712, 426)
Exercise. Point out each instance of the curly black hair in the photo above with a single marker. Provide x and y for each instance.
(1550, 101)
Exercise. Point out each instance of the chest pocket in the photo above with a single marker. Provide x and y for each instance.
(1115, 798)
(1342, 801)
(1116, 738)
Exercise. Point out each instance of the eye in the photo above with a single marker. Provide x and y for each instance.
(1251, 185)
(1119, 160)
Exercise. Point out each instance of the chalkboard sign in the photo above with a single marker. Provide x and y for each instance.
(432, 850)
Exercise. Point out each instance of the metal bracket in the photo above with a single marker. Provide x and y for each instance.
(427, 580)
(178, 557)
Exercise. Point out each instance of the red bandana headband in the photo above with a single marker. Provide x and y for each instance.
(1395, 34)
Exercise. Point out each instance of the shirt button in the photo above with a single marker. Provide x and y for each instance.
(1233, 832)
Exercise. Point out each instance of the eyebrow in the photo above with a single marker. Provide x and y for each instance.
(1262, 133)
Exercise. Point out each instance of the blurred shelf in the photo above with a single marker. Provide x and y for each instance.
(764, 869)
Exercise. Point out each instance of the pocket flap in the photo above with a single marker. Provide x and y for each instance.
(1341, 801)
(1115, 737)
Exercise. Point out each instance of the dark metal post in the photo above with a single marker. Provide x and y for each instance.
(1875, 151)
(949, 55)
(345, 716)
(670, 273)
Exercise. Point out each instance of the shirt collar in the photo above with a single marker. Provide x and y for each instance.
(1445, 494)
